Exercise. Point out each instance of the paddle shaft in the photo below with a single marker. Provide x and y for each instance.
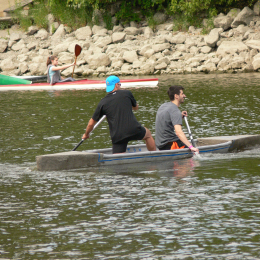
(189, 131)
(74, 67)
(77, 53)
(95, 126)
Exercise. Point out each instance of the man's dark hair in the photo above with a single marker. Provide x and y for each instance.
(174, 90)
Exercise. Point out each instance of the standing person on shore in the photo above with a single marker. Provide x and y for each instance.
(168, 124)
(118, 106)
(53, 71)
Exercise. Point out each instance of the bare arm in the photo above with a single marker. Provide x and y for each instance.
(183, 138)
(54, 68)
(89, 128)
(136, 107)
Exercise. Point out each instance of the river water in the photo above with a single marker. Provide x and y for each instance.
(205, 208)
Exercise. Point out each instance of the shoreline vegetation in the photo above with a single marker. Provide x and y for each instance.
(120, 42)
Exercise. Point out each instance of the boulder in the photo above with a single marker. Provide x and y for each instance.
(231, 47)
(19, 45)
(147, 68)
(233, 12)
(148, 32)
(256, 62)
(253, 44)
(103, 41)
(257, 8)
(23, 67)
(213, 37)
(126, 69)
(83, 33)
(42, 34)
(61, 48)
(32, 30)
(223, 22)
(96, 28)
(60, 32)
(244, 17)
(130, 56)
(161, 47)
(160, 18)
(3, 45)
(132, 31)
(118, 28)
(118, 37)
(8, 64)
(145, 48)
(32, 45)
(15, 37)
(205, 49)
(97, 60)
(178, 39)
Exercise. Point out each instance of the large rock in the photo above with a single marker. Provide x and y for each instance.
(103, 41)
(8, 64)
(130, 56)
(61, 48)
(37, 68)
(97, 60)
(148, 32)
(19, 45)
(83, 33)
(118, 37)
(145, 48)
(256, 62)
(213, 37)
(223, 22)
(233, 12)
(244, 17)
(3, 45)
(147, 69)
(231, 47)
(257, 8)
(32, 30)
(60, 33)
(132, 31)
(15, 37)
(253, 44)
(161, 47)
(96, 28)
(178, 39)
(42, 34)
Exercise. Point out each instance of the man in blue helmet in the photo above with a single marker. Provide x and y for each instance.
(118, 106)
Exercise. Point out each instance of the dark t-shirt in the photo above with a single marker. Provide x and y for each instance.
(117, 106)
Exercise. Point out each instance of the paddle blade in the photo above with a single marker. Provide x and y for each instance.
(77, 50)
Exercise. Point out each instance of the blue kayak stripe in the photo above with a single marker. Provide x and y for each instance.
(154, 156)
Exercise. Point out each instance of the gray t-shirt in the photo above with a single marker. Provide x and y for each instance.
(168, 115)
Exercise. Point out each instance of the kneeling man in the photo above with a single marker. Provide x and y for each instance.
(168, 125)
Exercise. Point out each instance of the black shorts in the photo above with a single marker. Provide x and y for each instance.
(120, 147)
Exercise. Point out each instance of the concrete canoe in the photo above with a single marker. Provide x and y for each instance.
(139, 153)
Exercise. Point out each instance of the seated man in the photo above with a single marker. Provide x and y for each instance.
(168, 124)
(118, 106)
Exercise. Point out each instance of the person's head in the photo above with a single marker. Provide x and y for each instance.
(112, 83)
(175, 90)
(52, 60)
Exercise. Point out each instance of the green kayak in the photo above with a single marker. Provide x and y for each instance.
(7, 80)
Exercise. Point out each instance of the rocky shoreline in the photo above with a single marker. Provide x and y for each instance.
(232, 46)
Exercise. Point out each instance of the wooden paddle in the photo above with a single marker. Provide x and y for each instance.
(96, 125)
(77, 53)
